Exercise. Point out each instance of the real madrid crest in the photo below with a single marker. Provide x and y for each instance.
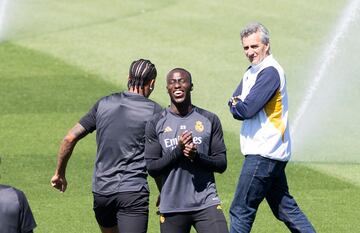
(199, 127)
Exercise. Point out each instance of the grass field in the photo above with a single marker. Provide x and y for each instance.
(51, 73)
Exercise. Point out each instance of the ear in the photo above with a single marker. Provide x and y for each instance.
(152, 84)
(268, 48)
(192, 87)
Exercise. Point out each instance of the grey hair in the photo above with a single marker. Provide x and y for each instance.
(255, 27)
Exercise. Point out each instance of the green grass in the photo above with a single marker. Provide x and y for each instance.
(30, 139)
(51, 73)
(202, 36)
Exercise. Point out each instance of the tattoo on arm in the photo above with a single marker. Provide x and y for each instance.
(67, 146)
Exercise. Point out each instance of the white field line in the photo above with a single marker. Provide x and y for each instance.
(350, 13)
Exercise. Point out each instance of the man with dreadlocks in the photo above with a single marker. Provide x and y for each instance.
(119, 185)
(184, 147)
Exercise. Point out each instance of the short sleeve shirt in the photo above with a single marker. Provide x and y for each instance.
(15, 212)
(119, 120)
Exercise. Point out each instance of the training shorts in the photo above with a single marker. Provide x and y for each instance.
(209, 220)
(128, 210)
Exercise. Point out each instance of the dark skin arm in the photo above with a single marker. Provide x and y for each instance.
(187, 145)
(216, 160)
(58, 181)
(185, 140)
(160, 166)
(216, 163)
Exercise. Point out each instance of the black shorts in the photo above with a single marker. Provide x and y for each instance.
(128, 210)
(209, 220)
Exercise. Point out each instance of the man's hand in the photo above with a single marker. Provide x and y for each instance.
(59, 182)
(187, 145)
(234, 100)
(67, 145)
(190, 151)
(185, 138)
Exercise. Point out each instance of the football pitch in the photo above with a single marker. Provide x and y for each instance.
(58, 57)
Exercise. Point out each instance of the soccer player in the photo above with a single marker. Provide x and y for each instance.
(119, 185)
(15, 212)
(184, 147)
(260, 101)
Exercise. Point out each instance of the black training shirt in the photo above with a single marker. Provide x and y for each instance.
(186, 185)
(119, 120)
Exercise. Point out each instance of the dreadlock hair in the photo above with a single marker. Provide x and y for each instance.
(140, 73)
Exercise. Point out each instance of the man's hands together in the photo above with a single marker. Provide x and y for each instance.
(187, 145)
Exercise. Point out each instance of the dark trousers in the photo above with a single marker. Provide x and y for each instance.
(265, 178)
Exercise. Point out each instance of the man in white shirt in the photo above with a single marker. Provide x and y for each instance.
(260, 101)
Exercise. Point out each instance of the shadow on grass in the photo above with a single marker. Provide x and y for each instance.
(32, 82)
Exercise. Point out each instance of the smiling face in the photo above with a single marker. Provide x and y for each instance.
(255, 50)
(179, 87)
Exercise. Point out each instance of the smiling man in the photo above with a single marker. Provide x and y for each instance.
(184, 147)
(260, 101)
